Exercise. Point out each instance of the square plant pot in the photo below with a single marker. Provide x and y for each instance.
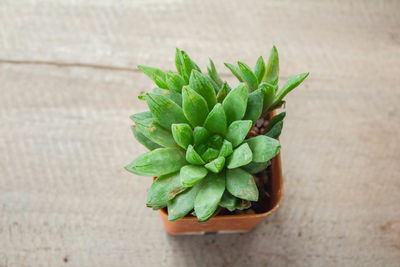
(231, 223)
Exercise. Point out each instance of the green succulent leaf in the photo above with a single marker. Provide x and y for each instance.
(209, 196)
(180, 65)
(174, 96)
(235, 71)
(210, 154)
(157, 75)
(259, 69)
(254, 105)
(183, 134)
(256, 167)
(241, 184)
(164, 188)
(193, 157)
(248, 75)
(263, 147)
(204, 86)
(226, 149)
(292, 83)
(235, 103)
(155, 133)
(183, 203)
(141, 116)
(237, 132)
(223, 92)
(190, 64)
(216, 165)
(212, 72)
(184, 65)
(191, 174)
(276, 130)
(201, 135)
(272, 70)
(228, 201)
(216, 120)
(158, 162)
(215, 141)
(274, 120)
(175, 82)
(142, 97)
(143, 139)
(195, 106)
(201, 148)
(269, 94)
(240, 156)
(165, 111)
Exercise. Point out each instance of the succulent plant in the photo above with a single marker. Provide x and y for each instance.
(196, 130)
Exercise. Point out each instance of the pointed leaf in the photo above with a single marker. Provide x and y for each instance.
(193, 157)
(204, 86)
(240, 156)
(191, 174)
(275, 132)
(141, 116)
(292, 83)
(235, 103)
(164, 188)
(223, 92)
(183, 203)
(256, 167)
(180, 66)
(241, 184)
(216, 165)
(216, 120)
(254, 105)
(235, 71)
(228, 201)
(175, 82)
(269, 94)
(209, 196)
(212, 72)
(272, 70)
(158, 162)
(263, 147)
(157, 75)
(226, 149)
(165, 111)
(183, 134)
(237, 132)
(174, 96)
(259, 70)
(248, 75)
(210, 154)
(275, 119)
(195, 106)
(143, 139)
(156, 133)
(189, 63)
(201, 135)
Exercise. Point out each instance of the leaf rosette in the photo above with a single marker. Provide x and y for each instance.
(197, 133)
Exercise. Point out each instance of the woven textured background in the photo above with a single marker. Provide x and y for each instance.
(68, 82)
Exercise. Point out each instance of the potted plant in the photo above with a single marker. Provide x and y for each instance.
(214, 149)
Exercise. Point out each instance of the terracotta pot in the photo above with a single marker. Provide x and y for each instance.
(230, 223)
